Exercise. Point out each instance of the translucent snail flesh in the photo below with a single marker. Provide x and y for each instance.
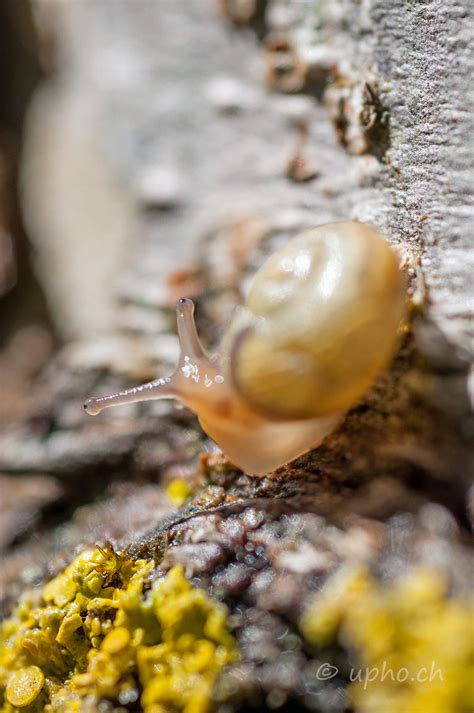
(319, 324)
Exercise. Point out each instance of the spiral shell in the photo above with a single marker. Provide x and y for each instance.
(320, 322)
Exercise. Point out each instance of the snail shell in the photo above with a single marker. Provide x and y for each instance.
(319, 324)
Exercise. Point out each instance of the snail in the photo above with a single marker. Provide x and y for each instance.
(320, 322)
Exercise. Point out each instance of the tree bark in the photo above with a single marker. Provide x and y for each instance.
(173, 147)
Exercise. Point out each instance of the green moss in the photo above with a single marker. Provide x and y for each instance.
(414, 644)
(100, 631)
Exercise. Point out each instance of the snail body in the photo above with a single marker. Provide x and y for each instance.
(319, 324)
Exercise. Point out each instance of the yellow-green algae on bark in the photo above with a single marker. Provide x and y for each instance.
(91, 635)
(413, 643)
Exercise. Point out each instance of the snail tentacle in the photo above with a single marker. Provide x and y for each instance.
(157, 389)
(193, 377)
(189, 341)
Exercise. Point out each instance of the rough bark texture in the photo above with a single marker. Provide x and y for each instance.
(173, 147)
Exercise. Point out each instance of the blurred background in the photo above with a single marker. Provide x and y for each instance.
(26, 331)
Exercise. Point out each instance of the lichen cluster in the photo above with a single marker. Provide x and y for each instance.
(414, 644)
(103, 631)
(179, 491)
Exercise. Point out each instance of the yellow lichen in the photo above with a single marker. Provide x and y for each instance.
(414, 644)
(24, 686)
(101, 630)
(179, 491)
